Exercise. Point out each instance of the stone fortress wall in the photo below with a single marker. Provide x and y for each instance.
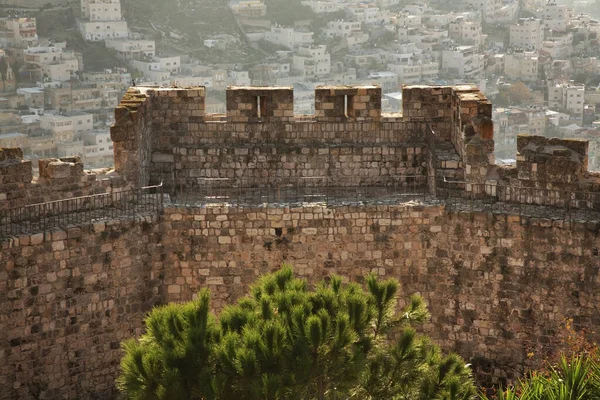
(499, 278)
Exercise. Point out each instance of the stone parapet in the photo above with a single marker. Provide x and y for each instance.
(59, 179)
(259, 104)
(341, 103)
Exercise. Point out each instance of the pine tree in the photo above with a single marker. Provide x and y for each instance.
(285, 341)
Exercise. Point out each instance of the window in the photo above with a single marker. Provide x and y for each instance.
(79, 122)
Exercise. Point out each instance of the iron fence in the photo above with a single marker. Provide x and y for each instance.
(80, 210)
(457, 195)
(301, 190)
(521, 200)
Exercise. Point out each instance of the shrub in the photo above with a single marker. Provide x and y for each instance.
(286, 341)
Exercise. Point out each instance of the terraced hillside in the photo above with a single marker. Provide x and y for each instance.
(180, 26)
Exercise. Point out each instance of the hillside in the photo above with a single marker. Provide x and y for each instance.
(60, 25)
(180, 26)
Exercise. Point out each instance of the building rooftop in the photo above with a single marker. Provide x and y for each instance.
(12, 135)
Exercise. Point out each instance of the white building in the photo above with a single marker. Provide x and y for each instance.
(489, 8)
(250, 8)
(416, 8)
(559, 46)
(156, 68)
(311, 61)
(522, 66)
(101, 20)
(341, 28)
(240, 78)
(566, 96)
(463, 62)
(387, 3)
(411, 65)
(528, 34)
(322, 6)
(68, 127)
(18, 32)
(415, 72)
(128, 49)
(365, 13)
(118, 75)
(408, 20)
(557, 16)
(51, 62)
(386, 79)
(288, 37)
(97, 149)
(466, 32)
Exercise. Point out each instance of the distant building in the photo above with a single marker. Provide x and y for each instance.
(8, 80)
(14, 139)
(557, 16)
(569, 97)
(240, 78)
(489, 8)
(128, 49)
(158, 69)
(342, 28)
(34, 96)
(365, 13)
(52, 62)
(101, 20)
(81, 97)
(312, 61)
(528, 34)
(322, 6)
(250, 8)
(522, 66)
(386, 79)
(67, 127)
(18, 32)
(97, 149)
(559, 45)
(466, 32)
(463, 62)
(288, 37)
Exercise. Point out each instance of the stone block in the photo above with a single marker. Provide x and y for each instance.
(61, 168)
(163, 158)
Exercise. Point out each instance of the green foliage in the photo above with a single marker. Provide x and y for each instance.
(574, 378)
(285, 341)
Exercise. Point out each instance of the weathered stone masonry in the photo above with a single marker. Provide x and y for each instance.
(498, 285)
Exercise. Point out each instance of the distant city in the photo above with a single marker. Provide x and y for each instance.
(65, 65)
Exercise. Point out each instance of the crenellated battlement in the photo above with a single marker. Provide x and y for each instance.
(164, 134)
(59, 178)
(251, 104)
(501, 254)
(444, 137)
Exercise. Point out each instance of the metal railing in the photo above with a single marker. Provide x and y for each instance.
(80, 211)
(521, 200)
(456, 195)
(301, 190)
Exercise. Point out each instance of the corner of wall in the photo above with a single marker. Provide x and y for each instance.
(131, 134)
